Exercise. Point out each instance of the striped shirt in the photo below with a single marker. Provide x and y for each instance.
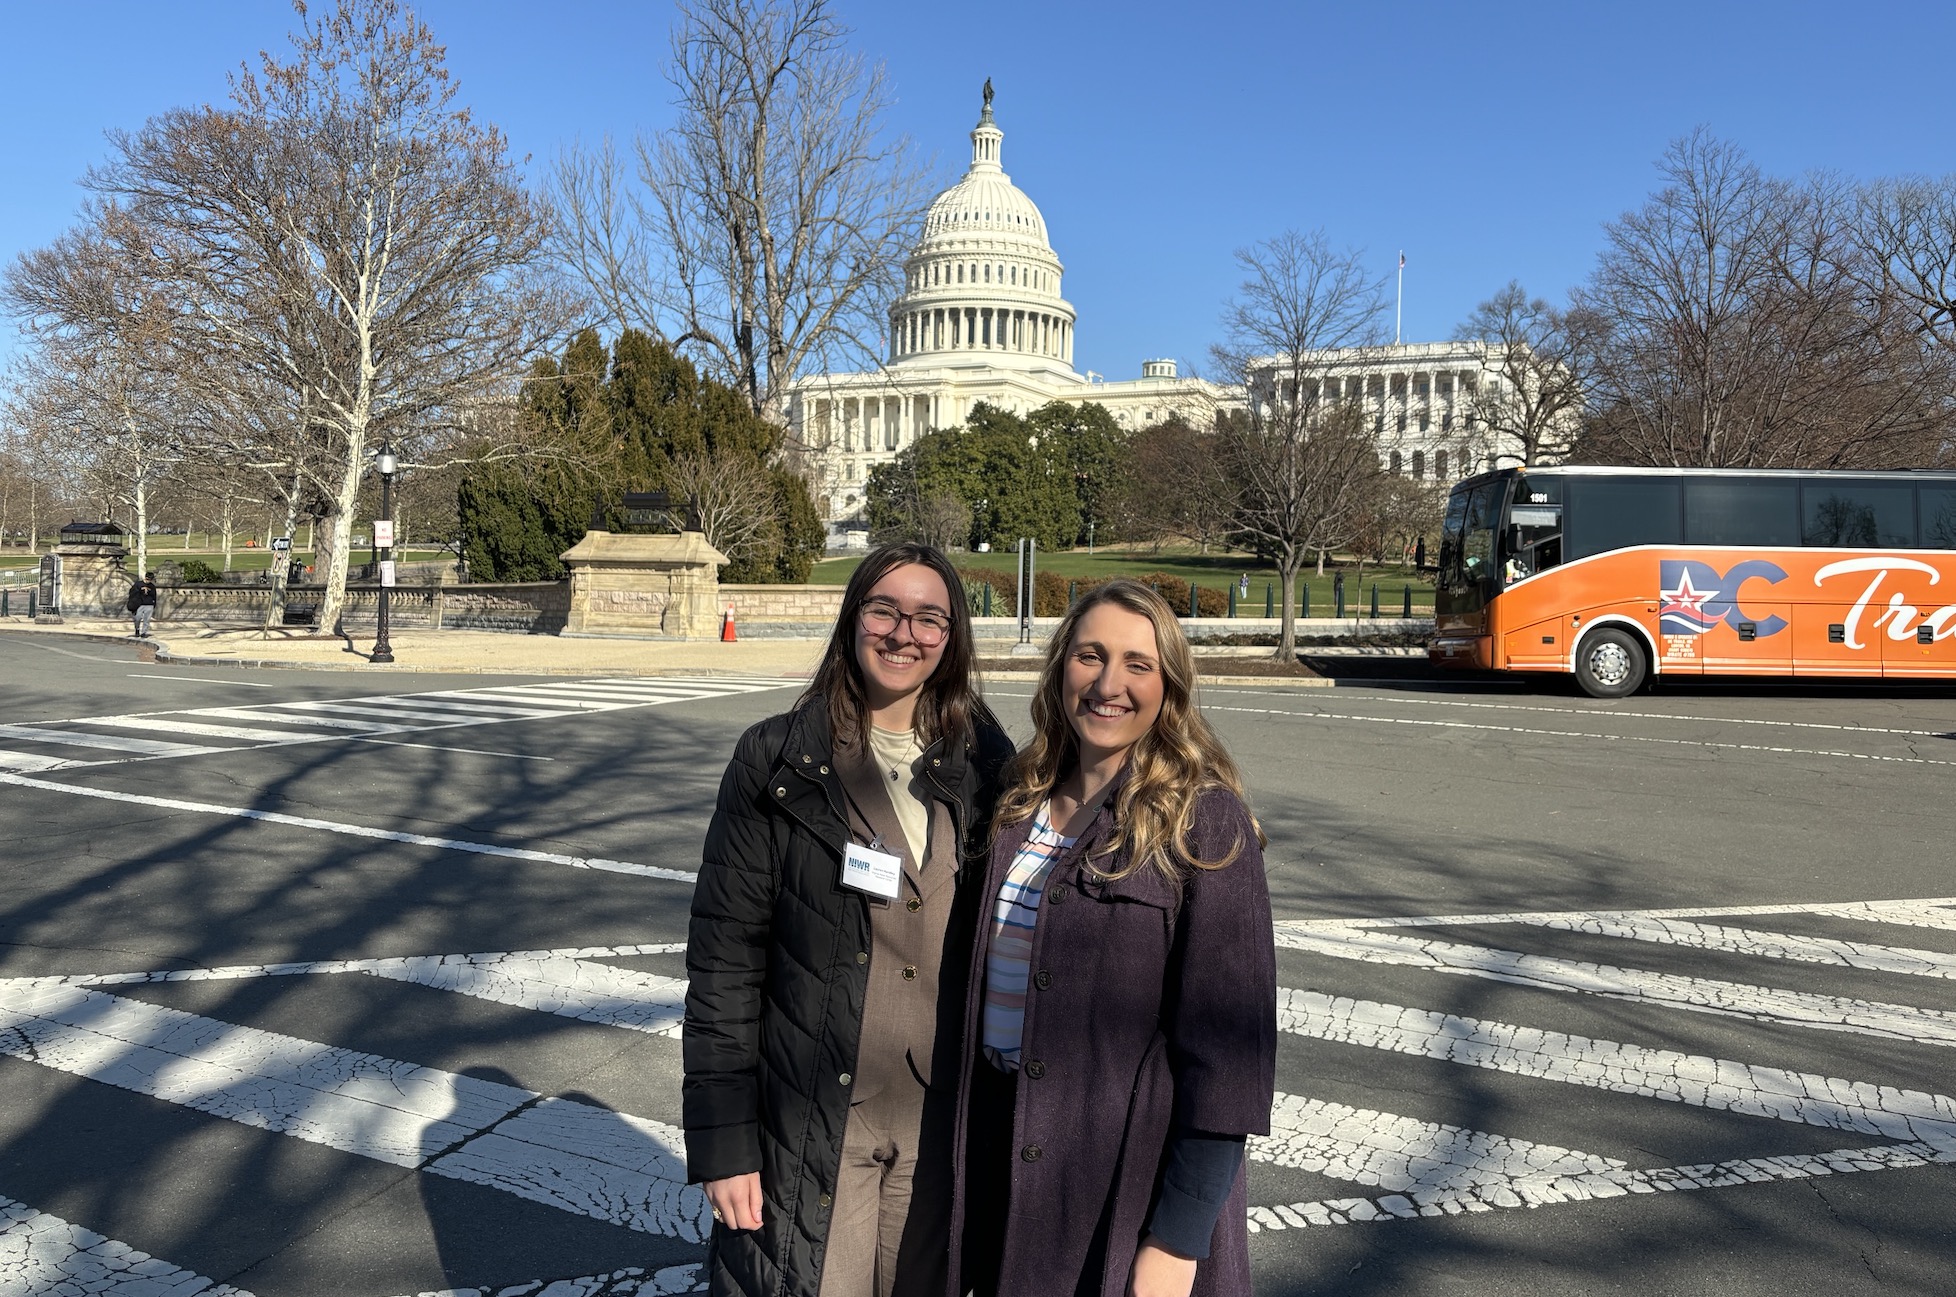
(1009, 962)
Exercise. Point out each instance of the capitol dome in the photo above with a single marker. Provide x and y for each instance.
(983, 281)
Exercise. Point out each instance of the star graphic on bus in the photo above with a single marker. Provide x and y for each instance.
(1683, 610)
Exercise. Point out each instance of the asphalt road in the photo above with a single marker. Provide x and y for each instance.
(233, 1053)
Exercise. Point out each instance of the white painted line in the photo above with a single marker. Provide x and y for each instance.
(1706, 744)
(196, 680)
(482, 710)
(1401, 1154)
(171, 725)
(579, 1158)
(266, 714)
(1698, 1080)
(1754, 942)
(439, 747)
(632, 1279)
(1614, 713)
(1916, 914)
(1553, 1187)
(563, 694)
(371, 707)
(1670, 990)
(355, 830)
(112, 742)
(569, 983)
(1936, 911)
(43, 1254)
(564, 706)
(32, 761)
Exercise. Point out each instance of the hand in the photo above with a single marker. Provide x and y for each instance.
(737, 1201)
(1160, 1273)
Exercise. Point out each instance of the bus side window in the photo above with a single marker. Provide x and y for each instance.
(1858, 514)
(1607, 513)
(1938, 514)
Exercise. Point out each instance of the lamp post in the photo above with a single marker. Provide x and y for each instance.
(387, 466)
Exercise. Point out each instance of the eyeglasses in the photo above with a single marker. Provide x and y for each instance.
(927, 628)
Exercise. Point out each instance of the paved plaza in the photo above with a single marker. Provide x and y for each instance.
(331, 984)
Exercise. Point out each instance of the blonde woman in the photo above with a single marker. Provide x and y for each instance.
(1121, 1022)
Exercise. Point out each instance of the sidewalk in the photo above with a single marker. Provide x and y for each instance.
(501, 653)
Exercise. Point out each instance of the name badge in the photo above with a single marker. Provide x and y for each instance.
(877, 872)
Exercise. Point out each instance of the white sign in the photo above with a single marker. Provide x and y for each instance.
(383, 533)
(387, 571)
(281, 543)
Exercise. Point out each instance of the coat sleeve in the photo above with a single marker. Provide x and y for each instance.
(1220, 1010)
(727, 950)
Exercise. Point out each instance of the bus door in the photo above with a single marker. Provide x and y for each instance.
(1467, 572)
(1533, 625)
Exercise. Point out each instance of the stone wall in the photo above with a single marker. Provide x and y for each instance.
(782, 603)
(531, 608)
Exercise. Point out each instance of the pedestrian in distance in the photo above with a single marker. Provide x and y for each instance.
(1121, 1020)
(142, 603)
(831, 933)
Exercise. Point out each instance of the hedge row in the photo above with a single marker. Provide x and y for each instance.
(1052, 593)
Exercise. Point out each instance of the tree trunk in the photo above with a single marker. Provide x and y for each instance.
(1287, 566)
(140, 500)
(1320, 562)
(282, 559)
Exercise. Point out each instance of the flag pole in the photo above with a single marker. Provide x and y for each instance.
(1399, 302)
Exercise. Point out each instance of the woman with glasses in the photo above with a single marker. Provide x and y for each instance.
(1121, 1036)
(830, 935)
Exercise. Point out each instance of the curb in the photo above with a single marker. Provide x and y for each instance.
(165, 657)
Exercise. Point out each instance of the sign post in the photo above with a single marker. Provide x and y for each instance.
(1028, 554)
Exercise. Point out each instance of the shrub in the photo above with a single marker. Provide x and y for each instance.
(1005, 596)
(198, 572)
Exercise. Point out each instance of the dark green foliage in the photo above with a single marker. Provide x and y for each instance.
(627, 423)
(1041, 476)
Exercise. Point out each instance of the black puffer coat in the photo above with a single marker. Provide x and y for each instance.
(776, 969)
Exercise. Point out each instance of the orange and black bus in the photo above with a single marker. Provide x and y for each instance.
(1617, 575)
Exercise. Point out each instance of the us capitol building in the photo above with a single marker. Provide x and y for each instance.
(982, 319)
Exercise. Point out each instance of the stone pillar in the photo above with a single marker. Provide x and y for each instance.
(644, 587)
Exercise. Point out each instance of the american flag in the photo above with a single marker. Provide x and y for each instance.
(1402, 261)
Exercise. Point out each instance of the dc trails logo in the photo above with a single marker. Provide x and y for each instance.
(1697, 598)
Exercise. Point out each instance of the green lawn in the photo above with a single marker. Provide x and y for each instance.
(1211, 571)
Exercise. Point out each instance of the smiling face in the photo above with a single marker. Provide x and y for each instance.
(895, 664)
(1111, 686)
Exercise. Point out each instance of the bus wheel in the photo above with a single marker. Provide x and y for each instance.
(1610, 664)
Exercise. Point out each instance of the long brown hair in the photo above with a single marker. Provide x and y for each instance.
(949, 705)
(1169, 767)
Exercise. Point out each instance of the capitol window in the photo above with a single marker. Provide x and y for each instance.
(988, 274)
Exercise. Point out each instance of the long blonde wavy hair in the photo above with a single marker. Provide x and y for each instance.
(1169, 767)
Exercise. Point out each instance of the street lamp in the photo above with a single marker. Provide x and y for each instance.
(383, 534)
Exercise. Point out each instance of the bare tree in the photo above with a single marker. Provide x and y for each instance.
(764, 231)
(733, 497)
(1907, 232)
(1739, 325)
(1531, 392)
(348, 234)
(1296, 463)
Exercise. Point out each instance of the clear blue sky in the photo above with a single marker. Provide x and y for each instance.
(1489, 142)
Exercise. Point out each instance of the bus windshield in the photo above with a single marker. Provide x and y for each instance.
(1467, 544)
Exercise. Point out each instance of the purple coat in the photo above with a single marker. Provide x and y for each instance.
(1151, 1004)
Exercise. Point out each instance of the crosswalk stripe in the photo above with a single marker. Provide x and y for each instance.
(44, 1254)
(573, 1156)
(559, 694)
(565, 706)
(1673, 990)
(367, 707)
(1766, 945)
(1400, 1153)
(309, 719)
(35, 761)
(1931, 911)
(468, 705)
(1553, 1187)
(1699, 1080)
(175, 725)
(1917, 914)
(112, 742)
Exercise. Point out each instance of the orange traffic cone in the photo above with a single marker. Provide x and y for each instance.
(727, 635)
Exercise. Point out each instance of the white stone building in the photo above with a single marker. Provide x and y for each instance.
(983, 318)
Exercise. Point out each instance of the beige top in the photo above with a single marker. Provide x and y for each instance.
(897, 754)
